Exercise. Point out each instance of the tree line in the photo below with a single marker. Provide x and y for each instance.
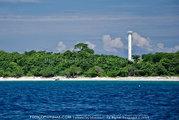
(82, 61)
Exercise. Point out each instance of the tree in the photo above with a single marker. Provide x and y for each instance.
(94, 71)
(160, 70)
(47, 72)
(83, 48)
(10, 69)
(91, 73)
(73, 71)
(136, 57)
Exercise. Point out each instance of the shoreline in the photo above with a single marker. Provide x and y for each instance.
(61, 78)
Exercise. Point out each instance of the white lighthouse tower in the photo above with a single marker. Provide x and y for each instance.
(130, 45)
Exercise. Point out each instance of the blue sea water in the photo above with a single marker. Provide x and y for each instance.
(89, 100)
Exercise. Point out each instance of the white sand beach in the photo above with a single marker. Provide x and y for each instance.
(61, 78)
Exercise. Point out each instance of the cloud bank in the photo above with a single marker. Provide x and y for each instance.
(112, 44)
(115, 44)
(141, 41)
(61, 47)
(160, 47)
(144, 43)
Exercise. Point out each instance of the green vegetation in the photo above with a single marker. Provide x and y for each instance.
(83, 62)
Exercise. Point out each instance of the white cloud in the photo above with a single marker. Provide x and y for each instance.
(162, 48)
(90, 45)
(144, 43)
(140, 41)
(112, 45)
(160, 45)
(176, 48)
(61, 47)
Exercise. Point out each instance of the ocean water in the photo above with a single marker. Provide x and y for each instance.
(89, 100)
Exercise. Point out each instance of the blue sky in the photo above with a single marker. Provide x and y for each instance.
(56, 25)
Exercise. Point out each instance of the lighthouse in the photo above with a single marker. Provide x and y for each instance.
(130, 45)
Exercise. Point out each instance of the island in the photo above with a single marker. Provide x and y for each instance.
(82, 63)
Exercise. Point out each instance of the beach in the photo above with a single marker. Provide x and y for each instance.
(61, 78)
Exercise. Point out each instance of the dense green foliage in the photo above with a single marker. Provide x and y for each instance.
(83, 62)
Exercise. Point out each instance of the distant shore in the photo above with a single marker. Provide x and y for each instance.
(61, 78)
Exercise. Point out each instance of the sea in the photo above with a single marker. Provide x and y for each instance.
(89, 100)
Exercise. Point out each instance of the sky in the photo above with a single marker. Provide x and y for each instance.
(57, 25)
